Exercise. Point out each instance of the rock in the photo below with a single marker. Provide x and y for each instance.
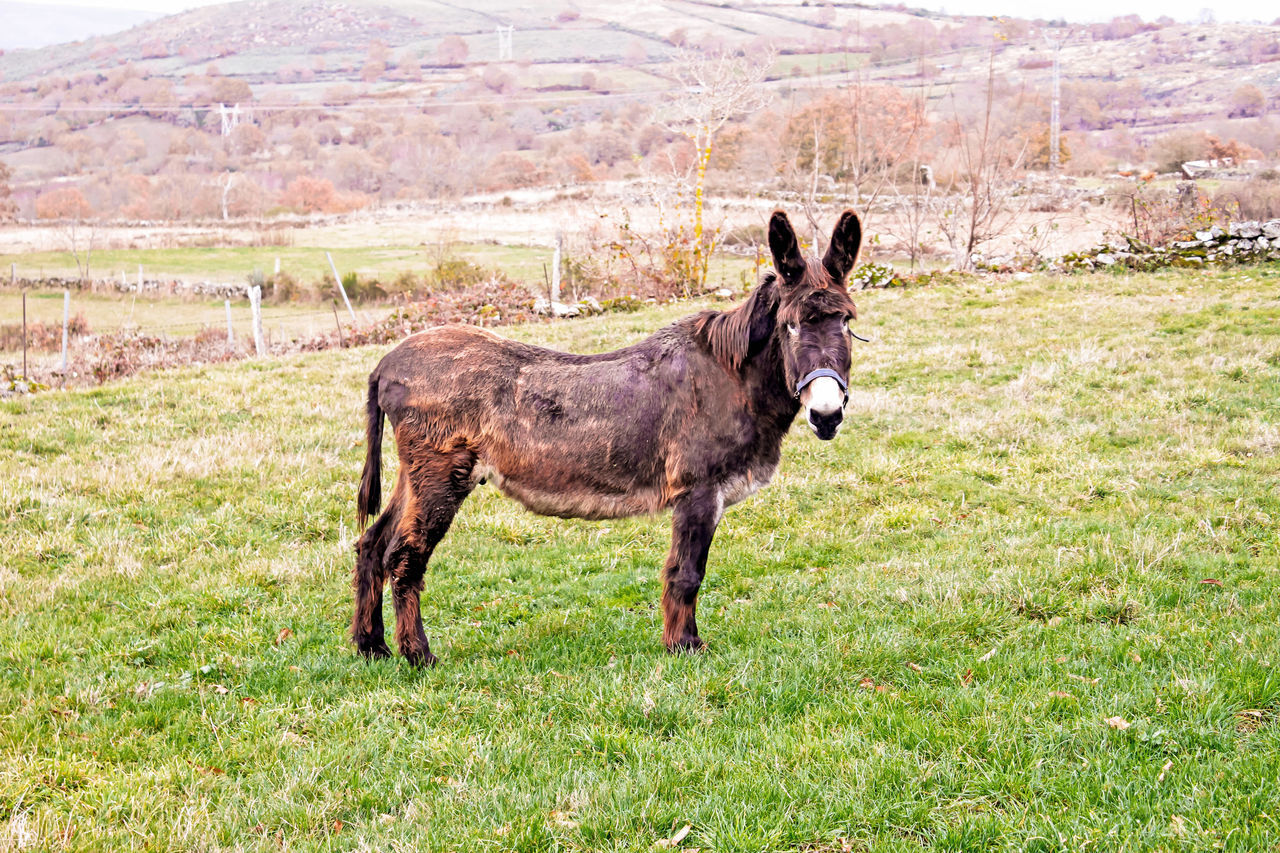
(554, 309)
(1204, 236)
(1105, 259)
(1248, 230)
(724, 293)
(1271, 230)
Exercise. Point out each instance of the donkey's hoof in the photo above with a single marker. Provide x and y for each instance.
(419, 659)
(373, 650)
(687, 646)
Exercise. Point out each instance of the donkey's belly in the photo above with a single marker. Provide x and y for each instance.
(563, 495)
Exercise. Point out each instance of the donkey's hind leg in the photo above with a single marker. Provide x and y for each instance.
(438, 483)
(370, 576)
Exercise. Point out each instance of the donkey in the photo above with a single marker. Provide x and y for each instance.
(690, 419)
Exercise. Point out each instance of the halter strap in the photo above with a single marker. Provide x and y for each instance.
(823, 371)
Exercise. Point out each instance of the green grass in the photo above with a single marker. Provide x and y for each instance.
(918, 631)
(816, 63)
(175, 316)
(179, 316)
(235, 264)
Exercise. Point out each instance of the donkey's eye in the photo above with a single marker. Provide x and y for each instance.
(792, 330)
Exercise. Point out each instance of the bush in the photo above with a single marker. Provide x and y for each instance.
(41, 336)
(870, 276)
(1256, 199)
(282, 287)
(450, 273)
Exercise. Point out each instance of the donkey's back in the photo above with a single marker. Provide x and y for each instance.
(596, 436)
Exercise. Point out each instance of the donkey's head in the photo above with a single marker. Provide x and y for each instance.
(814, 310)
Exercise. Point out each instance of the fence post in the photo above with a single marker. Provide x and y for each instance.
(24, 336)
(66, 324)
(13, 274)
(341, 289)
(277, 265)
(231, 335)
(139, 278)
(342, 343)
(255, 303)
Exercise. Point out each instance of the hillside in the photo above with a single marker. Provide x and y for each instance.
(338, 106)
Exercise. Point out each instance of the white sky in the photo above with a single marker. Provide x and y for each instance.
(1072, 10)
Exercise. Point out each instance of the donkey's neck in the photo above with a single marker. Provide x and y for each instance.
(771, 401)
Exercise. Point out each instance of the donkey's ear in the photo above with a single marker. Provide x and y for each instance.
(842, 254)
(785, 248)
(764, 314)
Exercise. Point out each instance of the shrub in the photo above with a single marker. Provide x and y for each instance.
(41, 336)
(451, 273)
(1255, 199)
(282, 287)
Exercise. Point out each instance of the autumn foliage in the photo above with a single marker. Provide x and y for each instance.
(317, 195)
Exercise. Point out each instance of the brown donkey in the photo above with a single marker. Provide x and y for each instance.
(691, 419)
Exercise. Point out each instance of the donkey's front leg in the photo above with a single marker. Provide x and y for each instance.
(696, 517)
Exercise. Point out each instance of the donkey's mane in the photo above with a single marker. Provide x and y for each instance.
(736, 335)
(728, 334)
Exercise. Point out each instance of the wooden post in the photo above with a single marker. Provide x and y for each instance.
(24, 336)
(13, 274)
(231, 335)
(66, 326)
(255, 304)
(139, 278)
(342, 343)
(277, 266)
(341, 289)
(555, 269)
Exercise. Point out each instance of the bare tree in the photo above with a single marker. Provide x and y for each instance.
(75, 218)
(714, 89)
(984, 208)
(8, 207)
(857, 142)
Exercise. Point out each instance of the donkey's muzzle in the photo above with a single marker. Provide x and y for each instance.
(825, 425)
(824, 395)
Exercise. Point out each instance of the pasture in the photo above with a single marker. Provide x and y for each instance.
(1027, 599)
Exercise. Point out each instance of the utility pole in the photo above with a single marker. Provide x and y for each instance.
(1055, 120)
(230, 118)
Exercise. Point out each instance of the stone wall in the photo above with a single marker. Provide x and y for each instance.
(1238, 243)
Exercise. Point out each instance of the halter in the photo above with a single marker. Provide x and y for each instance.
(824, 371)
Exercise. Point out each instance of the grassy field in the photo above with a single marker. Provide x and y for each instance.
(235, 264)
(178, 316)
(816, 63)
(1026, 600)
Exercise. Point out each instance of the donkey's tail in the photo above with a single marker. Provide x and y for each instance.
(369, 501)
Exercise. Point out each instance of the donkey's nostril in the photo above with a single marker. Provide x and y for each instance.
(825, 424)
